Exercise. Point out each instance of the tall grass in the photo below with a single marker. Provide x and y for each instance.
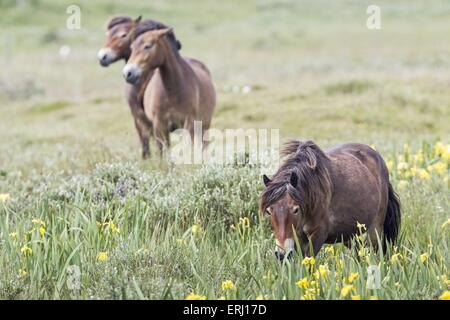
(136, 234)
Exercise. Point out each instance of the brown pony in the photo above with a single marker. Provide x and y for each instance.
(323, 196)
(120, 34)
(180, 91)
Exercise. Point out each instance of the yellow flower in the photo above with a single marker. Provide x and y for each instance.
(323, 271)
(361, 226)
(310, 294)
(13, 235)
(195, 229)
(373, 298)
(362, 252)
(261, 297)
(346, 290)
(439, 148)
(102, 256)
(424, 257)
(424, 175)
(445, 295)
(402, 166)
(446, 223)
(245, 222)
(395, 258)
(353, 276)
(23, 272)
(25, 250)
(228, 285)
(193, 296)
(308, 261)
(181, 242)
(357, 297)
(222, 298)
(302, 283)
(111, 227)
(38, 222)
(439, 167)
(4, 197)
(402, 184)
(329, 250)
(41, 231)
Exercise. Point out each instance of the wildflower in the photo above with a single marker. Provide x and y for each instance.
(402, 166)
(181, 242)
(361, 227)
(424, 257)
(25, 250)
(261, 297)
(195, 229)
(41, 231)
(329, 250)
(111, 227)
(373, 298)
(228, 285)
(445, 295)
(353, 276)
(323, 271)
(357, 297)
(439, 167)
(439, 148)
(362, 252)
(402, 184)
(245, 222)
(102, 256)
(13, 235)
(346, 289)
(446, 223)
(310, 294)
(302, 283)
(38, 222)
(395, 258)
(4, 197)
(23, 273)
(222, 298)
(309, 261)
(193, 296)
(424, 175)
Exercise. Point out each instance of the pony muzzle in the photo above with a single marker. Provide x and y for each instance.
(285, 249)
(106, 56)
(132, 73)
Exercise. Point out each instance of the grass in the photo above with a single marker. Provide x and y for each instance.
(74, 192)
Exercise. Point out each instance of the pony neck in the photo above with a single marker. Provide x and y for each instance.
(172, 68)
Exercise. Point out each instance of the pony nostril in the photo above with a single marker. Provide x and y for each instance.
(129, 74)
(104, 57)
(279, 255)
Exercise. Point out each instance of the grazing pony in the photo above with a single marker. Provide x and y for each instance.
(180, 90)
(120, 35)
(323, 196)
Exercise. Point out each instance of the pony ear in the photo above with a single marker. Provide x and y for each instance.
(266, 180)
(162, 32)
(294, 179)
(138, 19)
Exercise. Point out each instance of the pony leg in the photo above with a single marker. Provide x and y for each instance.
(161, 133)
(144, 136)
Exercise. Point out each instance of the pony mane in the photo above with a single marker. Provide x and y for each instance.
(309, 163)
(118, 20)
(150, 25)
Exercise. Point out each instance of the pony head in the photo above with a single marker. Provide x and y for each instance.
(119, 36)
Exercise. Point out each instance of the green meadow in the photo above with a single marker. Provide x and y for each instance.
(82, 216)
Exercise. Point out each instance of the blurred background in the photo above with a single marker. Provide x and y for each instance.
(310, 68)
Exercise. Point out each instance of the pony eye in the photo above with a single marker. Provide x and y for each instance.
(296, 210)
(123, 35)
(148, 46)
(268, 211)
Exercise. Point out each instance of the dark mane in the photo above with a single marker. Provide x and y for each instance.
(149, 25)
(118, 20)
(308, 162)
